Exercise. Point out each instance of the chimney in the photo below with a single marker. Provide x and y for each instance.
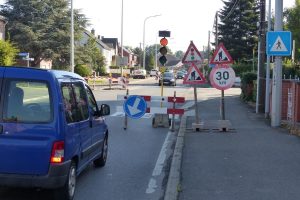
(93, 31)
(99, 37)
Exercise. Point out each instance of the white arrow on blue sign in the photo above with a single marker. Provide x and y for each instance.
(135, 106)
(279, 43)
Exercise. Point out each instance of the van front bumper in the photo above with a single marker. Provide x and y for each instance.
(56, 177)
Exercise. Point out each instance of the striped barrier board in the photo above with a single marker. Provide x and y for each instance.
(158, 99)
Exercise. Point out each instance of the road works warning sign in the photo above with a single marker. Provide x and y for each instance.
(194, 76)
(221, 56)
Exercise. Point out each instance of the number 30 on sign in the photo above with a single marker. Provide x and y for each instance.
(222, 77)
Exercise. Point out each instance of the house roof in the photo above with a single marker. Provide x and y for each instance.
(102, 44)
(111, 42)
(172, 61)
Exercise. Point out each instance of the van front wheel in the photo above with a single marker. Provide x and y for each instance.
(101, 161)
(68, 190)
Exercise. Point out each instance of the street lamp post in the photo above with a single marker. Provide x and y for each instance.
(144, 53)
(72, 38)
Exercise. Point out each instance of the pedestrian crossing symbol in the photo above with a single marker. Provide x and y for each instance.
(279, 43)
(194, 76)
(221, 56)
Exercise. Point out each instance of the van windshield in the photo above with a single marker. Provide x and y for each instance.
(27, 101)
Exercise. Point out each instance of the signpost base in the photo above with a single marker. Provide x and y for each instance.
(161, 120)
(223, 125)
(198, 126)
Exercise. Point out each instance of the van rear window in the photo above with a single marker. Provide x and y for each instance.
(27, 101)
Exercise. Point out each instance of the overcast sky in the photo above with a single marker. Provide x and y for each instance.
(187, 20)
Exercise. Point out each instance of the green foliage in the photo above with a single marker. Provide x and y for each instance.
(179, 54)
(8, 53)
(82, 70)
(293, 21)
(248, 80)
(42, 28)
(91, 56)
(237, 29)
(240, 68)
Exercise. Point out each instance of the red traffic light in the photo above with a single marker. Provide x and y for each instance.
(163, 41)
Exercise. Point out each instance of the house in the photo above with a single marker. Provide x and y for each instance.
(106, 51)
(172, 62)
(113, 44)
(3, 23)
(132, 58)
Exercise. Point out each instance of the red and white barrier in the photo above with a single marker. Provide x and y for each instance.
(165, 101)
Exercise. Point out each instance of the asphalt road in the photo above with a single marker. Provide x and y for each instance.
(138, 158)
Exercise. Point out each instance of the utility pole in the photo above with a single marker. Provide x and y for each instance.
(261, 64)
(277, 72)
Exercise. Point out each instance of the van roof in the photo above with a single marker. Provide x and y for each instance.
(59, 74)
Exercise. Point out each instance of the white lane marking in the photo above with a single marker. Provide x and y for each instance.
(158, 166)
(122, 114)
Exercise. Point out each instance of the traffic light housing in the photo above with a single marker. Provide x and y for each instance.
(163, 51)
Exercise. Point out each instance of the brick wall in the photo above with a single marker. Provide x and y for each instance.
(295, 89)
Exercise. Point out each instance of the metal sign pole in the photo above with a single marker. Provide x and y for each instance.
(222, 105)
(125, 117)
(173, 115)
(196, 106)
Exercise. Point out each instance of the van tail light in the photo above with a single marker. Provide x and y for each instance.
(58, 152)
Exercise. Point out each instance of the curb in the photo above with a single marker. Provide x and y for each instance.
(173, 185)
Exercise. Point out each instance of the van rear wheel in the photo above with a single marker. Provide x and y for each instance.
(101, 161)
(68, 190)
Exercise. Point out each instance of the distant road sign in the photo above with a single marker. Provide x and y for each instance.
(24, 54)
(279, 43)
(222, 77)
(135, 106)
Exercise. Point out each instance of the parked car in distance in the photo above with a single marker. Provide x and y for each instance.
(237, 82)
(180, 75)
(51, 129)
(167, 78)
(139, 73)
(154, 72)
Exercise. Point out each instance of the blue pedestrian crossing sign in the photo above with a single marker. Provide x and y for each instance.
(279, 43)
(135, 106)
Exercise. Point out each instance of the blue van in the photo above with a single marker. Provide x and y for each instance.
(51, 128)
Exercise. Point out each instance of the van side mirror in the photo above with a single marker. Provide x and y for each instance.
(104, 110)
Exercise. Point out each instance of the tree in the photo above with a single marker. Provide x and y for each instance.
(238, 28)
(179, 54)
(83, 70)
(293, 21)
(42, 28)
(90, 55)
(8, 53)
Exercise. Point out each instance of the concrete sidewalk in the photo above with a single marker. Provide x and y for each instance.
(252, 161)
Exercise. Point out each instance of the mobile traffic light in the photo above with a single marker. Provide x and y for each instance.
(163, 51)
(163, 42)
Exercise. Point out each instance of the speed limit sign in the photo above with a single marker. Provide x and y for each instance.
(222, 77)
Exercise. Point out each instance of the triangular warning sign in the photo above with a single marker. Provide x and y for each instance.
(194, 76)
(192, 55)
(221, 56)
(278, 45)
